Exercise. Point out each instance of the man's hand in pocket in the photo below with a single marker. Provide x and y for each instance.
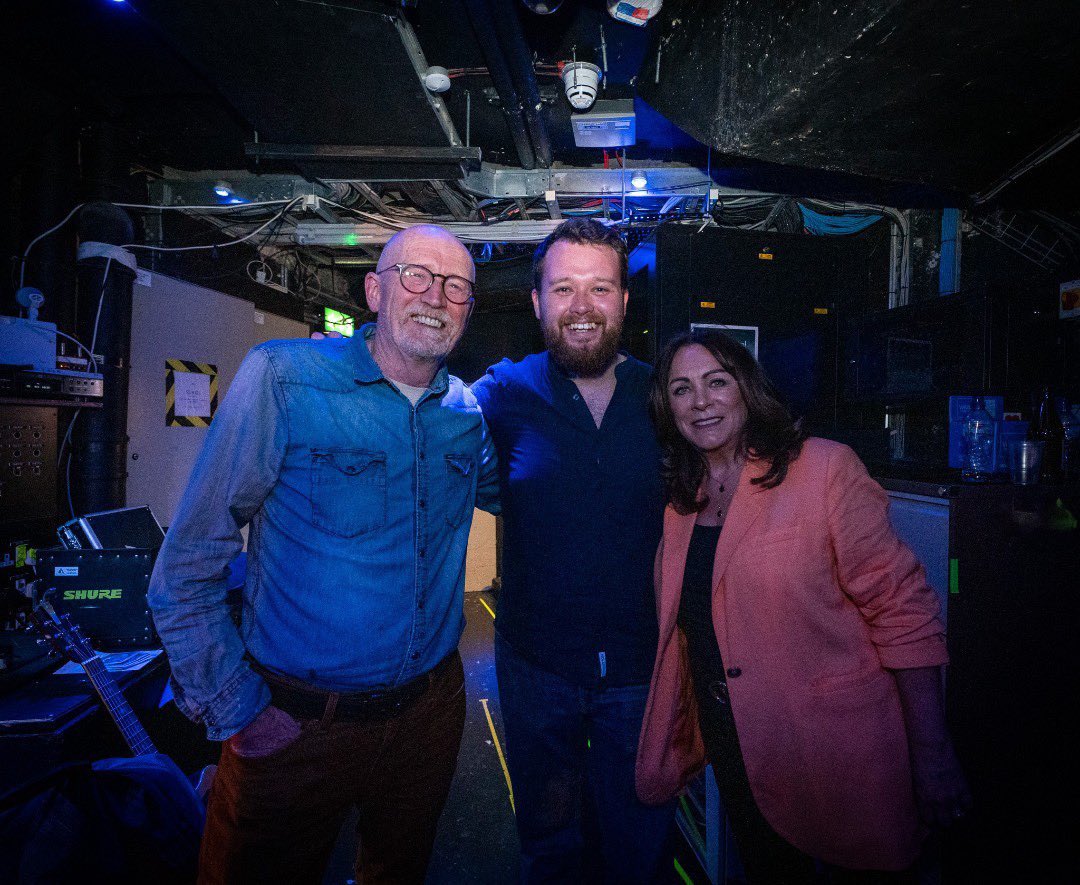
(268, 733)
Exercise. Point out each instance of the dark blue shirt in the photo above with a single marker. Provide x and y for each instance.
(582, 514)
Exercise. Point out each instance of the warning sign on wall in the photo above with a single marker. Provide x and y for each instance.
(191, 393)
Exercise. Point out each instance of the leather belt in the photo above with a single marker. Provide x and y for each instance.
(303, 701)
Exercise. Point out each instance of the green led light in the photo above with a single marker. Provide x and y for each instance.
(350, 240)
(336, 321)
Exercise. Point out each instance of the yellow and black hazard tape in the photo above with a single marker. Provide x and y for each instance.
(171, 368)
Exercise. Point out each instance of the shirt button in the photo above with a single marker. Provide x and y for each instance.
(719, 690)
(734, 672)
(423, 504)
(416, 656)
(421, 552)
(576, 396)
(421, 456)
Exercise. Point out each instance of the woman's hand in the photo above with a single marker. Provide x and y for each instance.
(941, 791)
(942, 796)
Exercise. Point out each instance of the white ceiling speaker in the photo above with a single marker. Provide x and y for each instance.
(542, 7)
(580, 79)
(437, 79)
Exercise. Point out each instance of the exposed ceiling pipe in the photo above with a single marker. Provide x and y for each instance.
(480, 19)
(1027, 164)
(519, 60)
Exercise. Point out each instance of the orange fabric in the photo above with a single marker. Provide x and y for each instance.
(815, 599)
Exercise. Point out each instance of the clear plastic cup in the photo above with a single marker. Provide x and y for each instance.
(1025, 460)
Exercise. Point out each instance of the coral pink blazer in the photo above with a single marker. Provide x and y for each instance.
(815, 600)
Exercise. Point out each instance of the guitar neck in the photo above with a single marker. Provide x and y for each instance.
(120, 710)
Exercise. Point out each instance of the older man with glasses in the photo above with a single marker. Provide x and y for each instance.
(356, 463)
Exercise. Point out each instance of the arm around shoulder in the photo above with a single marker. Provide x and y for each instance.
(487, 482)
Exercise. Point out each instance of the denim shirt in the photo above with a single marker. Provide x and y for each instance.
(359, 506)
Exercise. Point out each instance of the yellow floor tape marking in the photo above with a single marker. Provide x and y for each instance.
(498, 749)
(488, 607)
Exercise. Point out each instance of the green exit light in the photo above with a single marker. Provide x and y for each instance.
(336, 321)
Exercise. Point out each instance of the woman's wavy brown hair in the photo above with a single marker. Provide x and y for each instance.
(770, 434)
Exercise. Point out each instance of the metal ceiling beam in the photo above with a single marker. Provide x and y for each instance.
(503, 182)
(420, 65)
(552, 201)
(371, 197)
(452, 200)
(508, 181)
(365, 153)
(344, 236)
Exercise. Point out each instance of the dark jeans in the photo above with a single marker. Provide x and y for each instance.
(568, 747)
(276, 818)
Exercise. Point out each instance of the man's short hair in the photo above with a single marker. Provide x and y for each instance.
(584, 232)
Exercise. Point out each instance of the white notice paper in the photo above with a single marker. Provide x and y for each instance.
(192, 395)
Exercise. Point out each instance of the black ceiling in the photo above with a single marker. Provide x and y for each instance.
(942, 97)
(949, 94)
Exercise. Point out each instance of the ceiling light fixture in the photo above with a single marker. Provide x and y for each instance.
(638, 181)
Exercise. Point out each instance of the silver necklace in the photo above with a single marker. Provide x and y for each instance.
(720, 507)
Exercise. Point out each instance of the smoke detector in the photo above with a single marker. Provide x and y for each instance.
(580, 79)
(437, 79)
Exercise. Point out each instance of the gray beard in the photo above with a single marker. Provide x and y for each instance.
(584, 363)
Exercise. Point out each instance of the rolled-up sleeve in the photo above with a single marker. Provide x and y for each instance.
(878, 572)
(238, 466)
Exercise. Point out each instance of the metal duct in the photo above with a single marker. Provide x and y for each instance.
(519, 60)
(480, 17)
(99, 475)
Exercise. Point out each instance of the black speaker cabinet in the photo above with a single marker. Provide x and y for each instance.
(784, 291)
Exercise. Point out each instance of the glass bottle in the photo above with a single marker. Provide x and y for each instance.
(1070, 428)
(980, 443)
(1047, 428)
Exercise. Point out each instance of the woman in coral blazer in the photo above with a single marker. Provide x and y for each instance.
(800, 647)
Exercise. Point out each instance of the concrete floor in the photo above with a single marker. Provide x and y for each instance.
(477, 841)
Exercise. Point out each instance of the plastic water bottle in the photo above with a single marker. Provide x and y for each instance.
(980, 442)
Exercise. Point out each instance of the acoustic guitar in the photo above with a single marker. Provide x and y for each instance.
(67, 640)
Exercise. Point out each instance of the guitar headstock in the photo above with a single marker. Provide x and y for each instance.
(61, 633)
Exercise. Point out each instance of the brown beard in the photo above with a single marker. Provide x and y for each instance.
(591, 363)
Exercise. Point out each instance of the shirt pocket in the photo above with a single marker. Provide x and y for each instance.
(348, 490)
(460, 476)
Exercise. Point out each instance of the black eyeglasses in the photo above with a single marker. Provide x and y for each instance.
(418, 279)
